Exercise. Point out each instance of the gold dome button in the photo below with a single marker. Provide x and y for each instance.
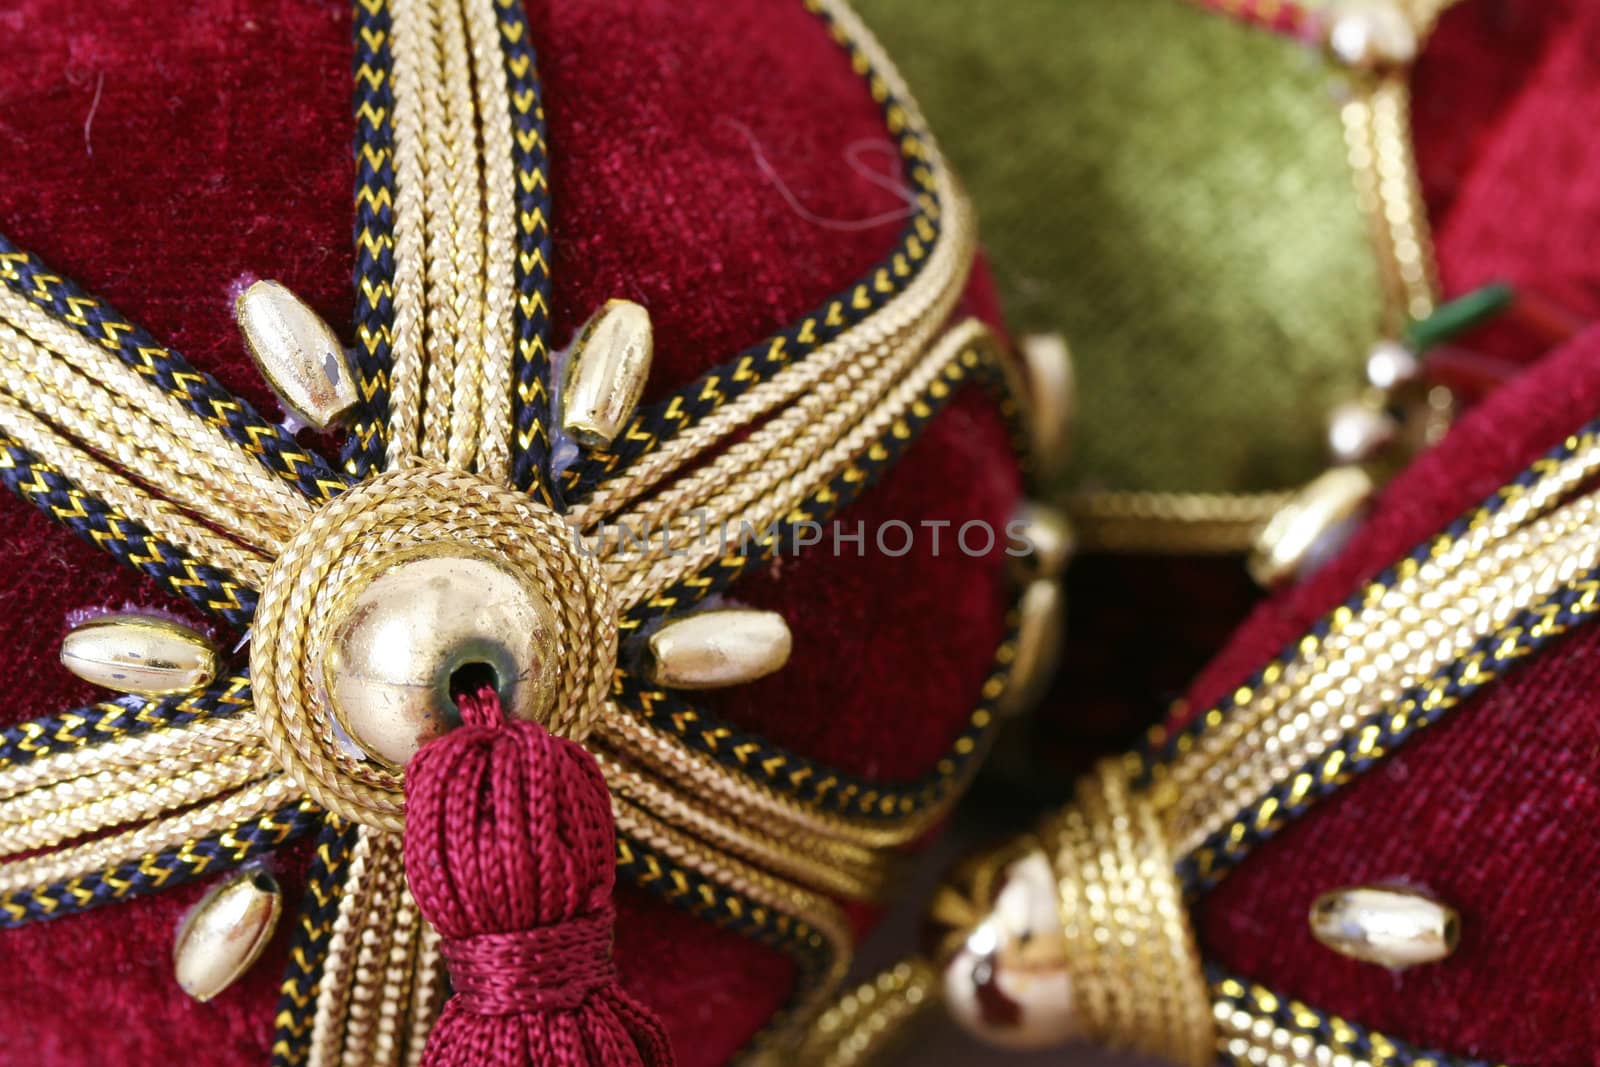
(1003, 956)
(405, 640)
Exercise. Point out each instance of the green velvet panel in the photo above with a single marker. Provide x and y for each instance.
(1168, 188)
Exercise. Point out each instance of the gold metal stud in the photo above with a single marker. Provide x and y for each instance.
(142, 654)
(1052, 397)
(1311, 527)
(717, 648)
(299, 355)
(400, 641)
(1002, 953)
(1359, 431)
(1043, 613)
(224, 933)
(1371, 35)
(1386, 925)
(1048, 536)
(605, 373)
(1391, 365)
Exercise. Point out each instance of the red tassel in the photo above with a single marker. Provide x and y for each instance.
(511, 854)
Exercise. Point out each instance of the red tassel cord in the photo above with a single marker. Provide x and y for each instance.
(511, 854)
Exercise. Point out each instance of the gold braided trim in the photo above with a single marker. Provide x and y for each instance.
(500, 251)
(82, 806)
(364, 531)
(769, 493)
(864, 1023)
(1437, 609)
(1136, 973)
(828, 392)
(267, 794)
(100, 403)
(450, 400)
(1377, 134)
(160, 517)
(410, 45)
(702, 777)
(817, 861)
(132, 755)
(89, 394)
(429, 983)
(826, 921)
(1161, 523)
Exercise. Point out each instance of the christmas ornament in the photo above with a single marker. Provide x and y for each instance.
(1362, 830)
(566, 501)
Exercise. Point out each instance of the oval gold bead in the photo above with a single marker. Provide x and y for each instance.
(141, 654)
(721, 647)
(297, 352)
(1392, 927)
(605, 373)
(1049, 538)
(1358, 432)
(224, 933)
(1052, 398)
(399, 640)
(1311, 526)
(1042, 611)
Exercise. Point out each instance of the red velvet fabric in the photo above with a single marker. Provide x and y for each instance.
(157, 152)
(1508, 160)
(1497, 810)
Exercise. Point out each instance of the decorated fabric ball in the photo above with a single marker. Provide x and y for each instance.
(1364, 836)
(1184, 214)
(740, 197)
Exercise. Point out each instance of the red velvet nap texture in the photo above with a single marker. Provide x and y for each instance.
(157, 152)
(1497, 810)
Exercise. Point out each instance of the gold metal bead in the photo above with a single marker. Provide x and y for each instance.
(1052, 397)
(1043, 612)
(298, 354)
(721, 647)
(1371, 35)
(1049, 538)
(1358, 431)
(400, 640)
(1311, 527)
(224, 933)
(1386, 925)
(605, 373)
(1002, 952)
(1391, 365)
(142, 654)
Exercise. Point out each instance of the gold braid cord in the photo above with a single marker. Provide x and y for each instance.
(1411, 644)
(1136, 973)
(454, 240)
(120, 436)
(868, 1021)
